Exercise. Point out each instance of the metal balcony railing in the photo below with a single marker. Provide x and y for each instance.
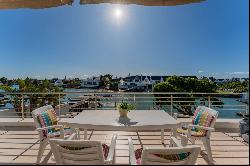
(68, 103)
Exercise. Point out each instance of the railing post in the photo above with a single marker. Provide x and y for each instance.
(59, 100)
(171, 106)
(209, 102)
(134, 98)
(22, 105)
(95, 101)
(246, 109)
(115, 101)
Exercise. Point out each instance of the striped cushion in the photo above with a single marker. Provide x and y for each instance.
(47, 118)
(202, 117)
(55, 132)
(105, 149)
(173, 157)
(168, 157)
(138, 153)
(200, 133)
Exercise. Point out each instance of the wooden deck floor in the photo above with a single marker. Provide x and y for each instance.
(22, 146)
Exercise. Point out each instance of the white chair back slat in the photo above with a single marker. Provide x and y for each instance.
(81, 152)
(74, 162)
(163, 163)
(85, 156)
(87, 150)
(150, 155)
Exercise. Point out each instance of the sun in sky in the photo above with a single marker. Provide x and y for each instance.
(118, 14)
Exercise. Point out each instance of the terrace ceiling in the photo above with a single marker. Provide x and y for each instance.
(40, 4)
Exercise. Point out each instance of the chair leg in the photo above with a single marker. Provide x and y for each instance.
(206, 143)
(184, 140)
(42, 147)
(192, 140)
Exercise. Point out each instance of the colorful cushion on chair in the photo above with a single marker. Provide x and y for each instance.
(168, 157)
(105, 149)
(47, 118)
(55, 132)
(173, 157)
(202, 117)
(200, 133)
(138, 153)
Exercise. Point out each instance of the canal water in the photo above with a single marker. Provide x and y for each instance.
(144, 101)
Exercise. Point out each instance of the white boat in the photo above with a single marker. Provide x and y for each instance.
(244, 98)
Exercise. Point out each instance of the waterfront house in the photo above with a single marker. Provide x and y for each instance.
(140, 82)
(220, 81)
(15, 86)
(58, 82)
(92, 82)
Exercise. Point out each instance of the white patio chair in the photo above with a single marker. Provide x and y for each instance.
(202, 125)
(83, 152)
(46, 122)
(177, 155)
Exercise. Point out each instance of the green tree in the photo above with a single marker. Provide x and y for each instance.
(105, 80)
(4, 80)
(236, 87)
(37, 94)
(183, 102)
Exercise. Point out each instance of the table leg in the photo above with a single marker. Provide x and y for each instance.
(162, 136)
(174, 132)
(85, 134)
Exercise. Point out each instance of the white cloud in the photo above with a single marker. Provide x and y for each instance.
(239, 73)
(200, 71)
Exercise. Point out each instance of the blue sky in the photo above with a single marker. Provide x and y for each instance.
(208, 38)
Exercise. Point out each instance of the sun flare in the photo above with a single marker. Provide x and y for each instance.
(118, 13)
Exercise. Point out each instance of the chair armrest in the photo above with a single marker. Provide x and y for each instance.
(175, 116)
(78, 135)
(132, 159)
(111, 153)
(72, 137)
(49, 127)
(175, 142)
(201, 127)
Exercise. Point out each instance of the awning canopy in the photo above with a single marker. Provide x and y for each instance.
(34, 4)
(142, 2)
(39, 4)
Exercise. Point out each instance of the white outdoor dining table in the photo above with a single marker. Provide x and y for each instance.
(110, 120)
